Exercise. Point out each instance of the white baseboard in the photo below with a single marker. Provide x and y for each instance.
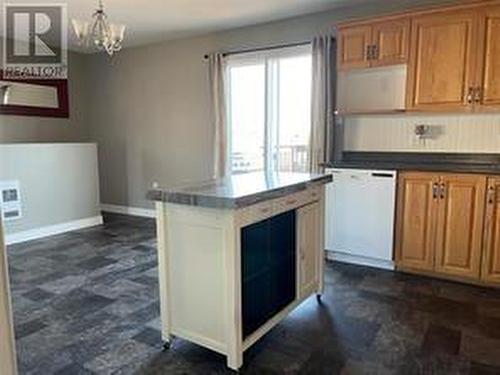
(124, 210)
(359, 260)
(51, 230)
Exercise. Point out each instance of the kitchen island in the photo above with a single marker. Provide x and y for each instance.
(237, 255)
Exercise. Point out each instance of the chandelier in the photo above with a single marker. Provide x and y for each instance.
(99, 33)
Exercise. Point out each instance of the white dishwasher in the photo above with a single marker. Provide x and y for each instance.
(360, 211)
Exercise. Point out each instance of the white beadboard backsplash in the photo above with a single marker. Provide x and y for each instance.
(465, 133)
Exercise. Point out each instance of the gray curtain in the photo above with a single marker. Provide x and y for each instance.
(323, 101)
(217, 77)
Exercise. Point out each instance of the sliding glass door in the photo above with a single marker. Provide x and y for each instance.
(270, 110)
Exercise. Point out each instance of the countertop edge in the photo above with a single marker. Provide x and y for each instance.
(160, 195)
(412, 161)
(444, 168)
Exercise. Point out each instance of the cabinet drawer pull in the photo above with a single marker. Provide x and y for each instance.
(265, 210)
(291, 201)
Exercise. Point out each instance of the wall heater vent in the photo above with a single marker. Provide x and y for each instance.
(10, 200)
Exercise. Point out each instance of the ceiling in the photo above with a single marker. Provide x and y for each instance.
(155, 20)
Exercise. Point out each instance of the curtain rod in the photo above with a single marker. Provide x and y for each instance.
(257, 49)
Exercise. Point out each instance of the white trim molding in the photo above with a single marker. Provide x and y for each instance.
(52, 230)
(125, 210)
(359, 260)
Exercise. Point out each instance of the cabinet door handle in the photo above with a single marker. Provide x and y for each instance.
(368, 52)
(470, 95)
(375, 52)
(443, 191)
(478, 95)
(491, 195)
(435, 190)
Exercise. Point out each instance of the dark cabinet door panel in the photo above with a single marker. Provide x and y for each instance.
(255, 249)
(268, 257)
(282, 286)
(282, 230)
(256, 299)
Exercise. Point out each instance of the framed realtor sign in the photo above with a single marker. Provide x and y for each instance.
(33, 77)
(35, 41)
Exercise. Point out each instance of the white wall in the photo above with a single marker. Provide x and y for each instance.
(59, 185)
(466, 133)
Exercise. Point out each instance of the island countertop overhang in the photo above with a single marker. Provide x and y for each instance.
(238, 191)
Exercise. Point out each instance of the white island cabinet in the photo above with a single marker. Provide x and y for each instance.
(237, 255)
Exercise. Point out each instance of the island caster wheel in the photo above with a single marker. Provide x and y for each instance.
(318, 298)
(168, 344)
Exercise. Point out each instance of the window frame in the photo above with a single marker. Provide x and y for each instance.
(270, 58)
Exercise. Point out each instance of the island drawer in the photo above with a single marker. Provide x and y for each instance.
(265, 210)
(255, 213)
(296, 200)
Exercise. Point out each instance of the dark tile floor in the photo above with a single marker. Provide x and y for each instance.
(87, 302)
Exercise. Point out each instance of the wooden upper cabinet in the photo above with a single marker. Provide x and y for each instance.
(353, 47)
(442, 61)
(391, 41)
(453, 54)
(460, 225)
(415, 233)
(489, 58)
(491, 249)
(374, 44)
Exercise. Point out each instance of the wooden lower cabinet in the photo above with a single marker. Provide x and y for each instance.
(440, 225)
(417, 205)
(491, 255)
(459, 232)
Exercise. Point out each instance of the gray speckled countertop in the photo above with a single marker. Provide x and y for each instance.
(239, 190)
(420, 161)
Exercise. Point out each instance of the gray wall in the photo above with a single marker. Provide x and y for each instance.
(152, 117)
(44, 129)
(59, 183)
